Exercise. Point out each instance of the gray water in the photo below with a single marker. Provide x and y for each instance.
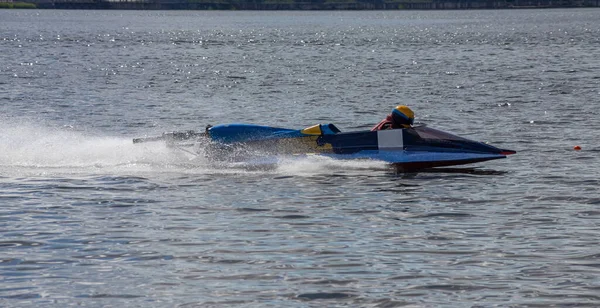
(87, 218)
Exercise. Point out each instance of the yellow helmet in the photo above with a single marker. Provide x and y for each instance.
(403, 116)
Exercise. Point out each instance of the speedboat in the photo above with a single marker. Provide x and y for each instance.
(414, 148)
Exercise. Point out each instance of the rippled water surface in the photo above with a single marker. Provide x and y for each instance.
(87, 218)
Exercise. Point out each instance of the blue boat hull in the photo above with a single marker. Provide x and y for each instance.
(414, 148)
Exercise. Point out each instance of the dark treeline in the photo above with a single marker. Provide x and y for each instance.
(310, 4)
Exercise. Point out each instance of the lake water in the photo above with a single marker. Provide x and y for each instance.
(87, 218)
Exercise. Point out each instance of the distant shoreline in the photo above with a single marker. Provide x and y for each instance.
(303, 4)
(17, 5)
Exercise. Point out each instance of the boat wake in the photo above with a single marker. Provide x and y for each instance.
(35, 149)
(30, 150)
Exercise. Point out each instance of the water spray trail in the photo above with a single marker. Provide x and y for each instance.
(30, 149)
(30, 146)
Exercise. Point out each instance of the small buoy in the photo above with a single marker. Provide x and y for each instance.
(576, 148)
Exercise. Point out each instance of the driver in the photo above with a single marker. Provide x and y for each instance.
(401, 117)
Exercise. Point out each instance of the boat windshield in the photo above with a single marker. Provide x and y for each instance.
(429, 133)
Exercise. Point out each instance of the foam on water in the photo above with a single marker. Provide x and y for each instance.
(315, 164)
(31, 149)
(28, 148)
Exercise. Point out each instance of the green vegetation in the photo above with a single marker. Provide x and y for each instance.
(411, 1)
(278, 1)
(16, 5)
(340, 1)
(210, 1)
